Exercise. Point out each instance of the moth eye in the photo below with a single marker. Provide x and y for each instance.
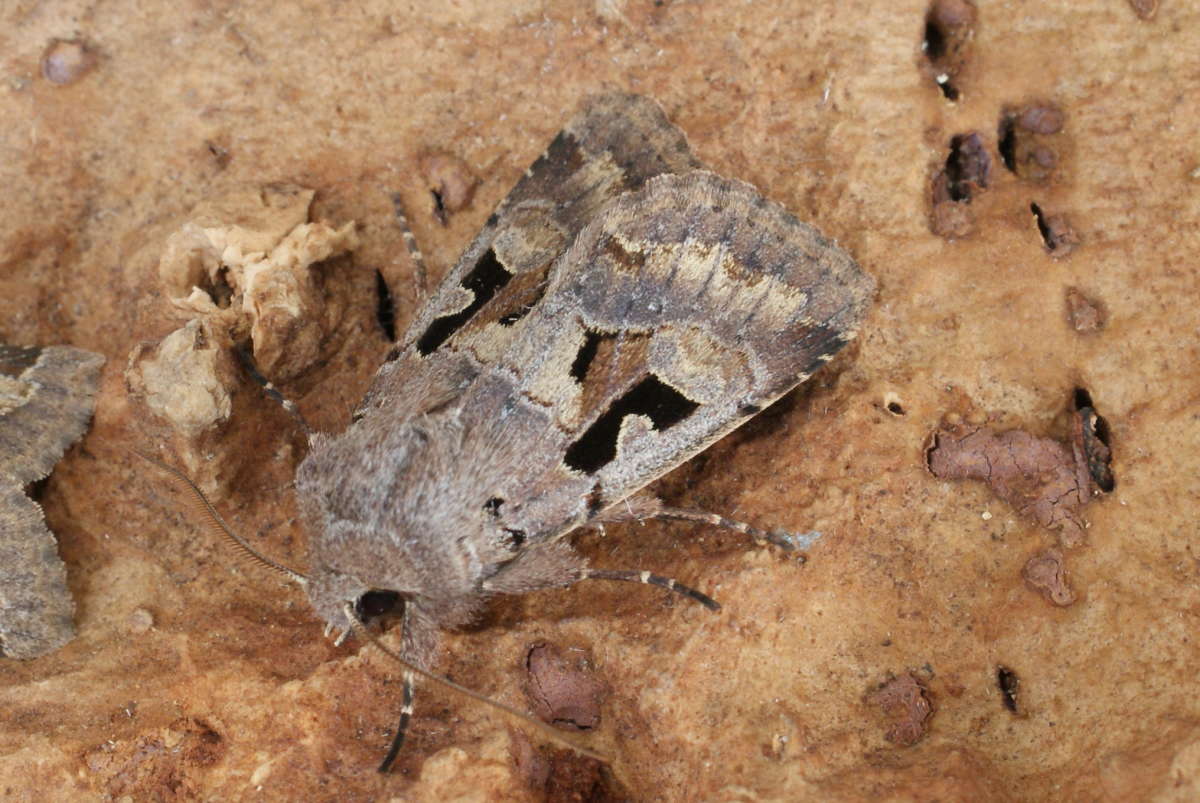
(376, 603)
(493, 505)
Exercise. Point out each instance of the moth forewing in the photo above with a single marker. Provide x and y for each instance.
(46, 400)
(620, 311)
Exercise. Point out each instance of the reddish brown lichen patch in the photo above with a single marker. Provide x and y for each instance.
(65, 61)
(1046, 573)
(562, 687)
(1042, 478)
(906, 703)
(556, 775)
(1085, 314)
(451, 183)
(951, 220)
(160, 765)
(1145, 9)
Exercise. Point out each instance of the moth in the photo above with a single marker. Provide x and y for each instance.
(620, 311)
(46, 400)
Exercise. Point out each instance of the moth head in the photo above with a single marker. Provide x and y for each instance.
(365, 503)
(377, 603)
(366, 604)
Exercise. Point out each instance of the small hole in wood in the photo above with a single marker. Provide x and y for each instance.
(1006, 137)
(439, 206)
(385, 308)
(1008, 683)
(968, 166)
(946, 42)
(1043, 228)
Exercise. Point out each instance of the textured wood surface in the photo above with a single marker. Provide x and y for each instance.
(194, 676)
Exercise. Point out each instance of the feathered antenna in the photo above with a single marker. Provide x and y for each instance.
(217, 523)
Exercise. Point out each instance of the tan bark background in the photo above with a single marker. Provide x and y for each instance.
(196, 676)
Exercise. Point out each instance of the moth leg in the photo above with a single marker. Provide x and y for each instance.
(420, 275)
(247, 361)
(646, 508)
(406, 708)
(631, 576)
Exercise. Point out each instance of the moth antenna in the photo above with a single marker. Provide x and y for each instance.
(361, 631)
(405, 714)
(218, 524)
(414, 252)
(631, 576)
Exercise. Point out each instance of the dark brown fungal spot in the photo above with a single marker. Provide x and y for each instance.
(905, 703)
(1046, 574)
(1039, 476)
(562, 686)
(1084, 313)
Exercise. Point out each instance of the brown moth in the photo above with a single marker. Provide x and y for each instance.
(46, 400)
(620, 311)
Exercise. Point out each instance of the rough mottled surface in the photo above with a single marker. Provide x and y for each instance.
(46, 400)
(831, 110)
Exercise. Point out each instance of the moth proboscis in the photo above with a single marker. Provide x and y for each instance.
(620, 311)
